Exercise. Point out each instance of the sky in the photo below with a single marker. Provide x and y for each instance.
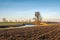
(25, 9)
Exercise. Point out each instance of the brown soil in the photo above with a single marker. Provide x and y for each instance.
(31, 33)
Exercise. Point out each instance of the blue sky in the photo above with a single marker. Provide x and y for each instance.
(19, 9)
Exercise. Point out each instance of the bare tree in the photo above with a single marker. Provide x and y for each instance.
(38, 17)
(4, 20)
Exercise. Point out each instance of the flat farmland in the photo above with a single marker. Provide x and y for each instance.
(11, 23)
(32, 33)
